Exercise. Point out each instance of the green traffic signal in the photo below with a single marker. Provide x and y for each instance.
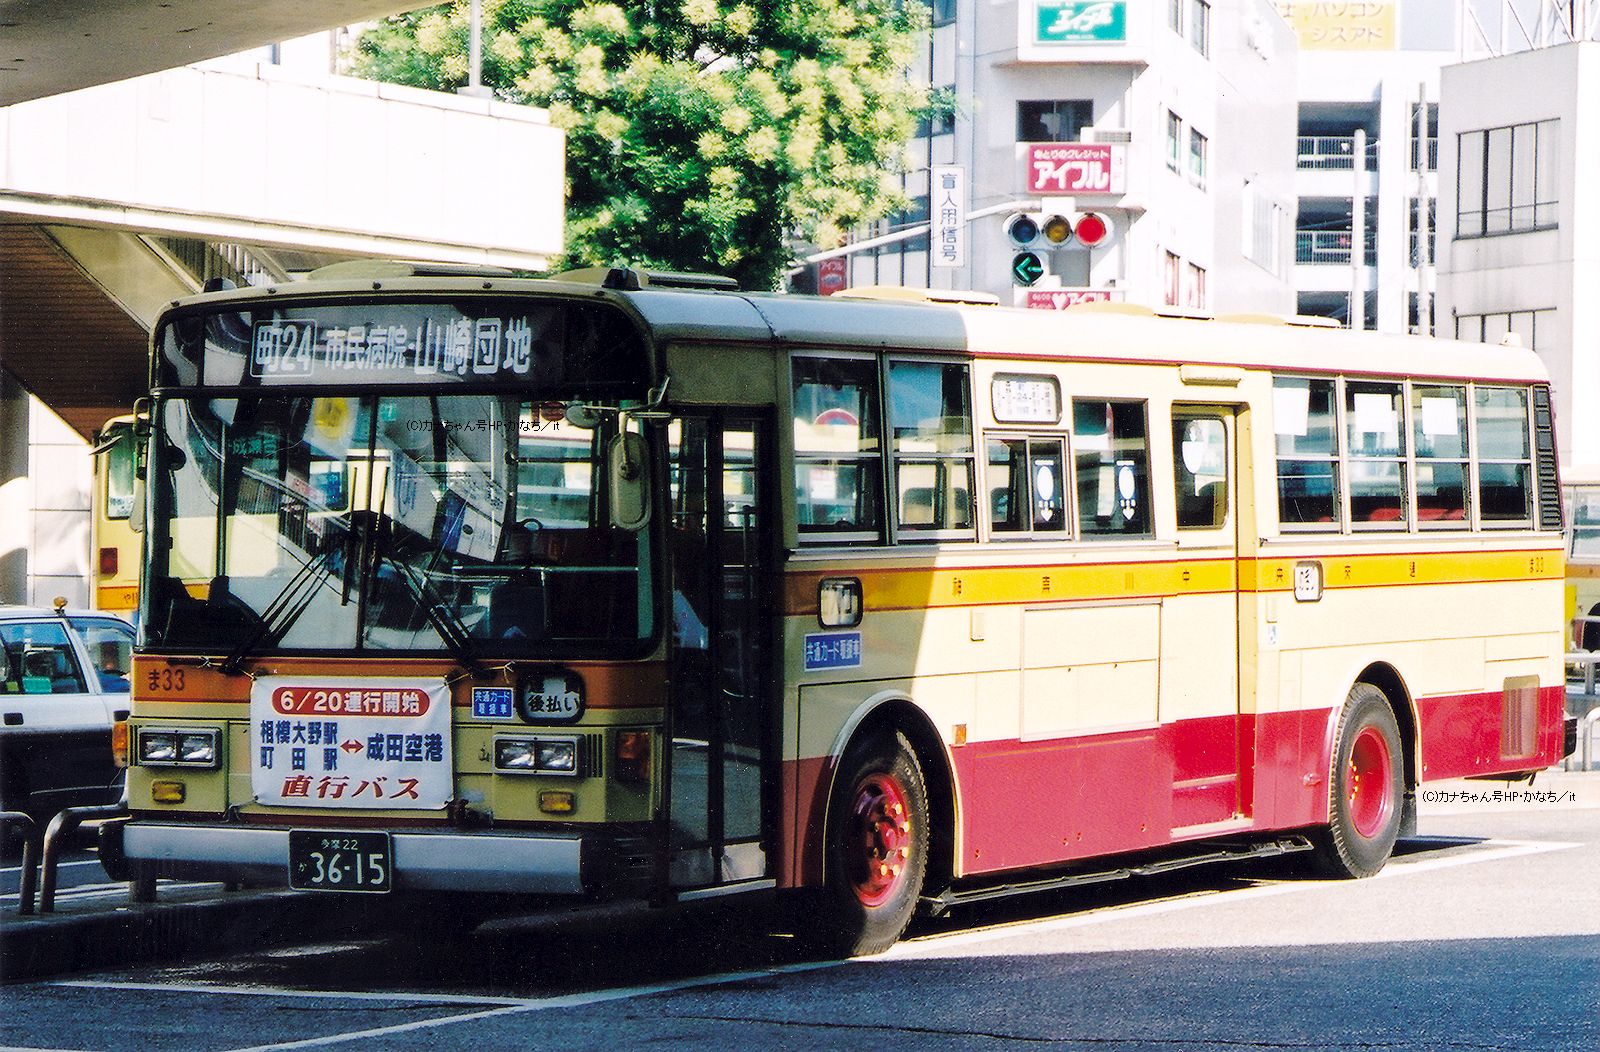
(1026, 268)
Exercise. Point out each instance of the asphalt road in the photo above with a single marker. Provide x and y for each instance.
(1485, 934)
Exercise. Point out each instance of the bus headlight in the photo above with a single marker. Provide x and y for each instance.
(536, 755)
(173, 748)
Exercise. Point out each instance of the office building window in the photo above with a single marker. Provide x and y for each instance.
(1197, 158)
(1171, 278)
(1196, 287)
(1200, 27)
(1053, 120)
(1425, 149)
(1175, 15)
(1507, 179)
(1174, 136)
(1528, 325)
(941, 12)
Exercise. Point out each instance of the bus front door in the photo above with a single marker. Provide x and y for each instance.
(719, 679)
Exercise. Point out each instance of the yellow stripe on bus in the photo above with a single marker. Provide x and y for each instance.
(912, 588)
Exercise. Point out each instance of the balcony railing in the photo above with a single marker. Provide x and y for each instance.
(1333, 152)
(1432, 154)
(1331, 247)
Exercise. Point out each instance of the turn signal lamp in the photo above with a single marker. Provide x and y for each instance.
(119, 743)
(556, 802)
(167, 792)
(633, 756)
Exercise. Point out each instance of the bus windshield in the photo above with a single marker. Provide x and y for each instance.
(393, 522)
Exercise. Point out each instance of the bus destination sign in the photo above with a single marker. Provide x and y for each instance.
(298, 349)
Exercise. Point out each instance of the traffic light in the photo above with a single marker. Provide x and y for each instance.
(1048, 231)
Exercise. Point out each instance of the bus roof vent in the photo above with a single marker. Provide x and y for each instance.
(628, 279)
(915, 295)
(1111, 307)
(358, 269)
(1254, 319)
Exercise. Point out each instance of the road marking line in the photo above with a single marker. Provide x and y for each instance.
(30, 1048)
(64, 893)
(937, 944)
(271, 991)
(59, 865)
(620, 993)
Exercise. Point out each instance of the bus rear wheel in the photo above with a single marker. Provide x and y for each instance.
(877, 849)
(1366, 787)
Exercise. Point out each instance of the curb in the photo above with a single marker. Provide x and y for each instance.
(38, 947)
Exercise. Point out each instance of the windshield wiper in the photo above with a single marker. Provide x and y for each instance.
(284, 609)
(452, 630)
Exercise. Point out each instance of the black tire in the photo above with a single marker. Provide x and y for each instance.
(1366, 788)
(877, 848)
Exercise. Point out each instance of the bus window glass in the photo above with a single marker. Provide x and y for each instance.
(1200, 471)
(1111, 458)
(1008, 485)
(1027, 487)
(119, 475)
(1375, 441)
(1439, 434)
(1500, 418)
(1045, 472)
(1307, 443)
(387, 523)
(1585, 516)
(838, 480)
(930, 414)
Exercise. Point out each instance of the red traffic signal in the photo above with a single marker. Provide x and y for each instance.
(1091, 229)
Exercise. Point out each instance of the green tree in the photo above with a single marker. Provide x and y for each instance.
(701, 134)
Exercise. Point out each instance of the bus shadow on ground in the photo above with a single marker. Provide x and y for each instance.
(371, 946)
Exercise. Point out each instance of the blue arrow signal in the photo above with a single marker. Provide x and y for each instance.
(1026, 268)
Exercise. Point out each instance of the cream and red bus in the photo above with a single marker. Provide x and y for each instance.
(672, 593)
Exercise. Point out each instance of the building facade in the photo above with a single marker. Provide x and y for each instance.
(1520, 233)
(1172, 124)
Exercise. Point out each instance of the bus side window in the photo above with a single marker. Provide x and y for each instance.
(1027, 493)
(1505, 459)
(838, 467)
(1111, 456)
(1200, 471)
(1305, 426)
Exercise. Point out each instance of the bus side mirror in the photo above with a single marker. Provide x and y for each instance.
(627, 483)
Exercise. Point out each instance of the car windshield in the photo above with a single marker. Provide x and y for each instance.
(414, 522)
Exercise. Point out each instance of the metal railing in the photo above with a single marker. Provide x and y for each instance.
(1331, 247)
(1332, 153)
(30, 870)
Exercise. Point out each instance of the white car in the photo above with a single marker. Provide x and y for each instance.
(64, 680)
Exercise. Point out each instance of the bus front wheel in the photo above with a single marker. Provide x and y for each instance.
(1365, 788)
(877, 847)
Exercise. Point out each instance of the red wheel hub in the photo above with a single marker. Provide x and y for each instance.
(878, 843)
(1369, 789)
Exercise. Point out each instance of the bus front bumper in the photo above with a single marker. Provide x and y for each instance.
(458, 860)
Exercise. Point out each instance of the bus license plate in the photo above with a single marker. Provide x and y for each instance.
(328, 861)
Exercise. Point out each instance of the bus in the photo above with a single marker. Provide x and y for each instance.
(114, 542)
(666, 593)
(1583, 559)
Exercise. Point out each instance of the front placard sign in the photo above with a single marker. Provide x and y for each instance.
(368, 742)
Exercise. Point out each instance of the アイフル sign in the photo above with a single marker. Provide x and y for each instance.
(1076, 168)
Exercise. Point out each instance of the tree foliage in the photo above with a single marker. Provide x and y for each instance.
(701, 134)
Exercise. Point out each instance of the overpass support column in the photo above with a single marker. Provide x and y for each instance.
(16, 503)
